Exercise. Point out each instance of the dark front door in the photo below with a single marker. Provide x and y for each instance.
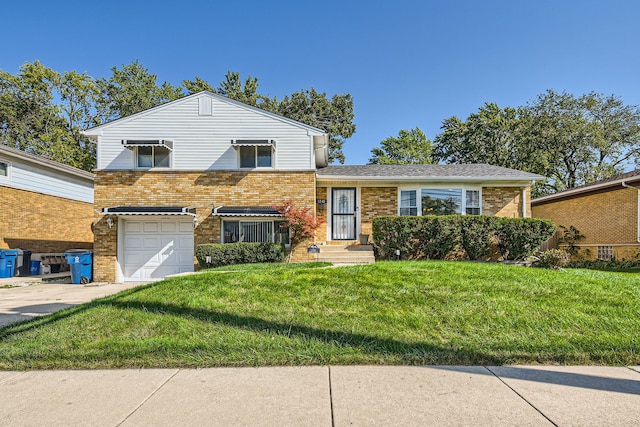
(343, 214)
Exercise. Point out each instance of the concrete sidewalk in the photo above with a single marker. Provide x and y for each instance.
(324, 396)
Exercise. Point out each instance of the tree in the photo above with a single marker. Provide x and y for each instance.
(570, 140)
(334, 116)
(581, 139)
(488, 136)
(31, 120)
(301, 222)
(130, 90)
(410, 147)
(197, 85)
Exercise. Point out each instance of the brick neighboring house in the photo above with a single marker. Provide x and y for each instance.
(606, 212)
(207, 169)
(47, 207)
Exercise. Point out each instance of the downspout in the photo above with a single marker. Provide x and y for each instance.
(524, 202)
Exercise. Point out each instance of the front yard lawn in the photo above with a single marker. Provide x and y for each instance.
(431, 312)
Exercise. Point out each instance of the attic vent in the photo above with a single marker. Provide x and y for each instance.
(205, 106)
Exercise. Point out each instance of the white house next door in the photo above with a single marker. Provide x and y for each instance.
(343, 214)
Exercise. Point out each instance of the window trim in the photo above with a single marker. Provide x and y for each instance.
(153, 148)
(8, 175)
(418, 189)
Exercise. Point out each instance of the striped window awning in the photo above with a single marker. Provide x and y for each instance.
(133, 143)
(150, 210)
(253, 142)
(246, 211)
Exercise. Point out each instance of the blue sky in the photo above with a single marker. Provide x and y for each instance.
(406, 63)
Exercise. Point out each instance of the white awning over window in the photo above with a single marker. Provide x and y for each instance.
(132, 143)
(253, 143)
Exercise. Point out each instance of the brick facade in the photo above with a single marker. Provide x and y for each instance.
(608, 218)
(505, 201)
(204, 190)
(377, 201)
(42, 223)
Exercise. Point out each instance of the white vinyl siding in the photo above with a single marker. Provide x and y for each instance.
(203, 142)
(28, 176)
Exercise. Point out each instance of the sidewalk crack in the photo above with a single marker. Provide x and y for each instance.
(521, 396)
(333, 424)
(147, 398)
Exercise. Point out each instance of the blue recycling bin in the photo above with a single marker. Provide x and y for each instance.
(81, 266)
(8, 262)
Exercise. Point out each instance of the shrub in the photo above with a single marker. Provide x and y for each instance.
(238, 253)
(518, 238)
(437, 237)
(553, 258)
(476, 233)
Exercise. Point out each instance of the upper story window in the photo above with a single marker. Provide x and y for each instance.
(153, 157)
(255, 153)
(4, 168)
(440, 201)
(151, 153)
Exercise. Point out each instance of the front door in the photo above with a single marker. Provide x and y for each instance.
(343, 214)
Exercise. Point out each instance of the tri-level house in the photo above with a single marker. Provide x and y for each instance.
(207, 169)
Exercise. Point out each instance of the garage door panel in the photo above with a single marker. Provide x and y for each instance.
(156, 248)
(185, 227)
(169, 227)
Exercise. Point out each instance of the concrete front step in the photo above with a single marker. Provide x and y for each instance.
(346, 254)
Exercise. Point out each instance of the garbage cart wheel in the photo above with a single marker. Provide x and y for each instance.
(84, 280)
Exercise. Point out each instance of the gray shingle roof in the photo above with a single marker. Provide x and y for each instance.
(467, 171)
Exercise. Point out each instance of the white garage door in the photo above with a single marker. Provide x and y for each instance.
(155, 248)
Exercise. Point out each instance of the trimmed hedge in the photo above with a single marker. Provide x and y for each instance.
(238, 253)
(459, 236)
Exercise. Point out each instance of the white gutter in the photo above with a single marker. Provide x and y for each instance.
(23, 156)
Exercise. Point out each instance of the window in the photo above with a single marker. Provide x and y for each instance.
(259, 156)
(473, 202)
(254, 231)
(605, 253)
(408, 203)
(153, 157)
(4, 168)
(440, 201)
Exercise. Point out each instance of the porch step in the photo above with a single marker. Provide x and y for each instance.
(346, 254)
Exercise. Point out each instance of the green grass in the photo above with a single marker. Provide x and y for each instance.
(386, 313)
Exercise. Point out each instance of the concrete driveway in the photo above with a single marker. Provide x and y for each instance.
(25, 302)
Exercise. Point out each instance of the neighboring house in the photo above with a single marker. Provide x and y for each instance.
(47, 207)
(207, 169)
(606, 212)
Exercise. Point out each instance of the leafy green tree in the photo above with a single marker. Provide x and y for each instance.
(197, 85)
(31, 120)
(410, 147)
(333, 115)
(130, 90)
(488, 136)
(570, 140)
